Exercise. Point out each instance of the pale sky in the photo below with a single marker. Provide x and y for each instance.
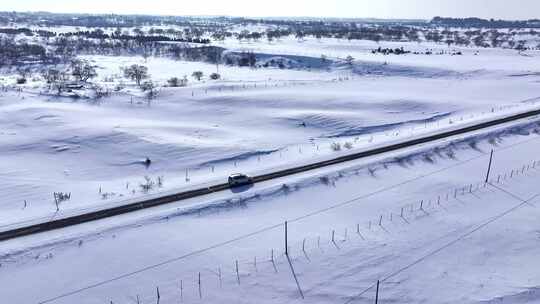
(423, 9)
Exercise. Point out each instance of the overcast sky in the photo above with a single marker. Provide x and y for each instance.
(424, 9)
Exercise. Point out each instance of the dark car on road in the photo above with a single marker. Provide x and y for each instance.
(239, 179)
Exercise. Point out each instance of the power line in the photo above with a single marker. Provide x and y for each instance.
(447, 245)
(262, 230)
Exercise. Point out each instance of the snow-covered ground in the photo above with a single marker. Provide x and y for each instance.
(257, 120)
(439, 188)
(251, 120)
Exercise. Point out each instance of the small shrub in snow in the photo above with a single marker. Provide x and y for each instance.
(335, 147)
(107, 195)
(147, 185)
(198, 75)
(325, 180)
(324, 59)
(100, 92)
(149, 88)
(285, 188)
(175, 82)
(61, 196)
(119, 87)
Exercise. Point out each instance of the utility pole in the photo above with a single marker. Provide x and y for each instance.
(377, 293)
(286, 241)
(489, 166)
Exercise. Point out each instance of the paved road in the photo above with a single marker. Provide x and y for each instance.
(170, 198)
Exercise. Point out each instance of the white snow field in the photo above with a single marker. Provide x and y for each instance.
(420, 220)
(457, 240)
(251, 120)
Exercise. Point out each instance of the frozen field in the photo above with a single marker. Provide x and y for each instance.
(251, 120)
(419, 220)
(457, 240)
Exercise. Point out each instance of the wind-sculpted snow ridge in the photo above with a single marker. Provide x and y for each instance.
(356, 131)
(238, 157)
(424, 155)
(359, 67)
(333, 267)
(529, 295)
(398, 70)
(238, 200)
(268, 60)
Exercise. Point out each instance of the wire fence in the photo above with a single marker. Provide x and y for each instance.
(192, 176)
(282, 259)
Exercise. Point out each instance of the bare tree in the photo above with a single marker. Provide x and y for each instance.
(55, 78)
(82, 70)
(136, 73)
(198, 75)
(149, 87)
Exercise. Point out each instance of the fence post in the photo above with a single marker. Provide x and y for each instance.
(181, 291)
(286, 239)
(358, 231)
(199, 283)
(295, 277)
(237, 273)
(377, 293)
(272, 260)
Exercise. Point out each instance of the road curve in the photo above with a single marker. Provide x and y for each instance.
(166, 199)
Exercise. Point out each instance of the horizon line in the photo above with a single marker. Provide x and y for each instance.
(256, 17)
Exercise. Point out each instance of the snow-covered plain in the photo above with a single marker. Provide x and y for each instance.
(254, 120)
(439, 188)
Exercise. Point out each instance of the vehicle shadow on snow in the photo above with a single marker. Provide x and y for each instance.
(240, 189)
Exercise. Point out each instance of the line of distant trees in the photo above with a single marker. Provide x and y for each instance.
(59, 50)
(13, 53)
(152, 35)
(110, 35)
(484, 23)
(140, 37)
(451, 36)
